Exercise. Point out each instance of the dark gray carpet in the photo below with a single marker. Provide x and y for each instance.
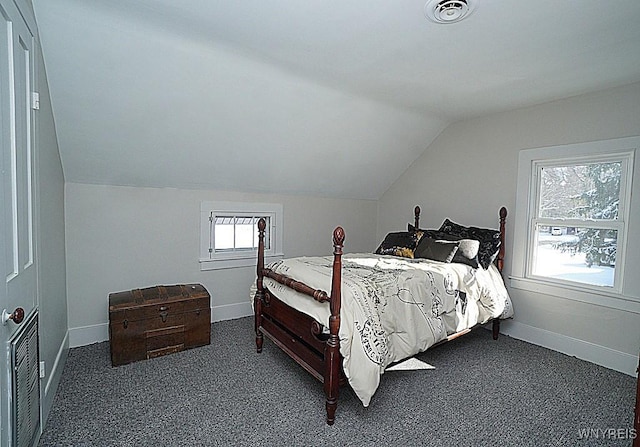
(482, 393)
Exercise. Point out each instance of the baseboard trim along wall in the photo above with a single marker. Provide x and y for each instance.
(600, 355)
(97, 333)
(231, 311)
(87, 335)
(54, 374)
(53, 377)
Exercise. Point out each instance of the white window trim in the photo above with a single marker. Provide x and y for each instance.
(248, 258)
(521, 277)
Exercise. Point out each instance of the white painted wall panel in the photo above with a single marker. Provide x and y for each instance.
(120, 238)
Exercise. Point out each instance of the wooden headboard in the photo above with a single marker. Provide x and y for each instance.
(503, 217)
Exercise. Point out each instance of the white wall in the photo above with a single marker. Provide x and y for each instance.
(470, 170)
(120, 238)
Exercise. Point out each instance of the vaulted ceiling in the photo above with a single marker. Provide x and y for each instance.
(334, 98)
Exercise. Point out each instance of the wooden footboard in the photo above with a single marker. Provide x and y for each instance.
(297, 334)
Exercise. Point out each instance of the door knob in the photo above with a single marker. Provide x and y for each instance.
(17, 316)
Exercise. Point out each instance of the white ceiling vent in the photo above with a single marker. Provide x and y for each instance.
(448, 11)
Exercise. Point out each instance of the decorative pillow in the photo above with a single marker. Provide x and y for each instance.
(437, 250)
(400, 243)
(467, 249)
(489, 240)
(467, 252)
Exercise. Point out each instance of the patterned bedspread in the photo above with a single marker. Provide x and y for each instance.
(393, 308)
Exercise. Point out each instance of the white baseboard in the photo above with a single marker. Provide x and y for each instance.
(54, 375)
(231, 311)
(58, 364)
(86, 335)
(600, 355)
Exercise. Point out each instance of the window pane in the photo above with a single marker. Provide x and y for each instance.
(244, 233)
(239, 233)
(583, 255)
(223, 232)
(224, 220)
(587, 191)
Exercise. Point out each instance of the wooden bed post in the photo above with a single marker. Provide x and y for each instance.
(495, 329)
(416, 212)
(259, 297)
(332, 348)
(503, 218)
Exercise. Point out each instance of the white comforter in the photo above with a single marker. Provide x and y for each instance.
(393, 308)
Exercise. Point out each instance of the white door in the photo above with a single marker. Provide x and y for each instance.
(18, 280)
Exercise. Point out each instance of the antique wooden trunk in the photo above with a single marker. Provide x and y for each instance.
(147, 323)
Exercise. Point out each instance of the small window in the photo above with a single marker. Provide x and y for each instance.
(229, 233)
(236, 233)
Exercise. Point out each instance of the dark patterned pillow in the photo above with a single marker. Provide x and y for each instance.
(400, 243)
(489, 240)
(467, 249)
(437, 250)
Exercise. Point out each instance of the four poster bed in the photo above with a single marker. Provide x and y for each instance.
(421, 288)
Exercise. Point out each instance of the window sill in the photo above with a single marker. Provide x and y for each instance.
(249, 261)
(596, 297)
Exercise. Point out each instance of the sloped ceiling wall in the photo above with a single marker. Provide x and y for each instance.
(137, 106)
(320, 98)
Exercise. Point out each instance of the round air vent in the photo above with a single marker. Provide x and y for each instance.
(448, 11)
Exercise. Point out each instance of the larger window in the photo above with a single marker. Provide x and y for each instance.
(578, 224)
(574, 205)
(229, 233)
